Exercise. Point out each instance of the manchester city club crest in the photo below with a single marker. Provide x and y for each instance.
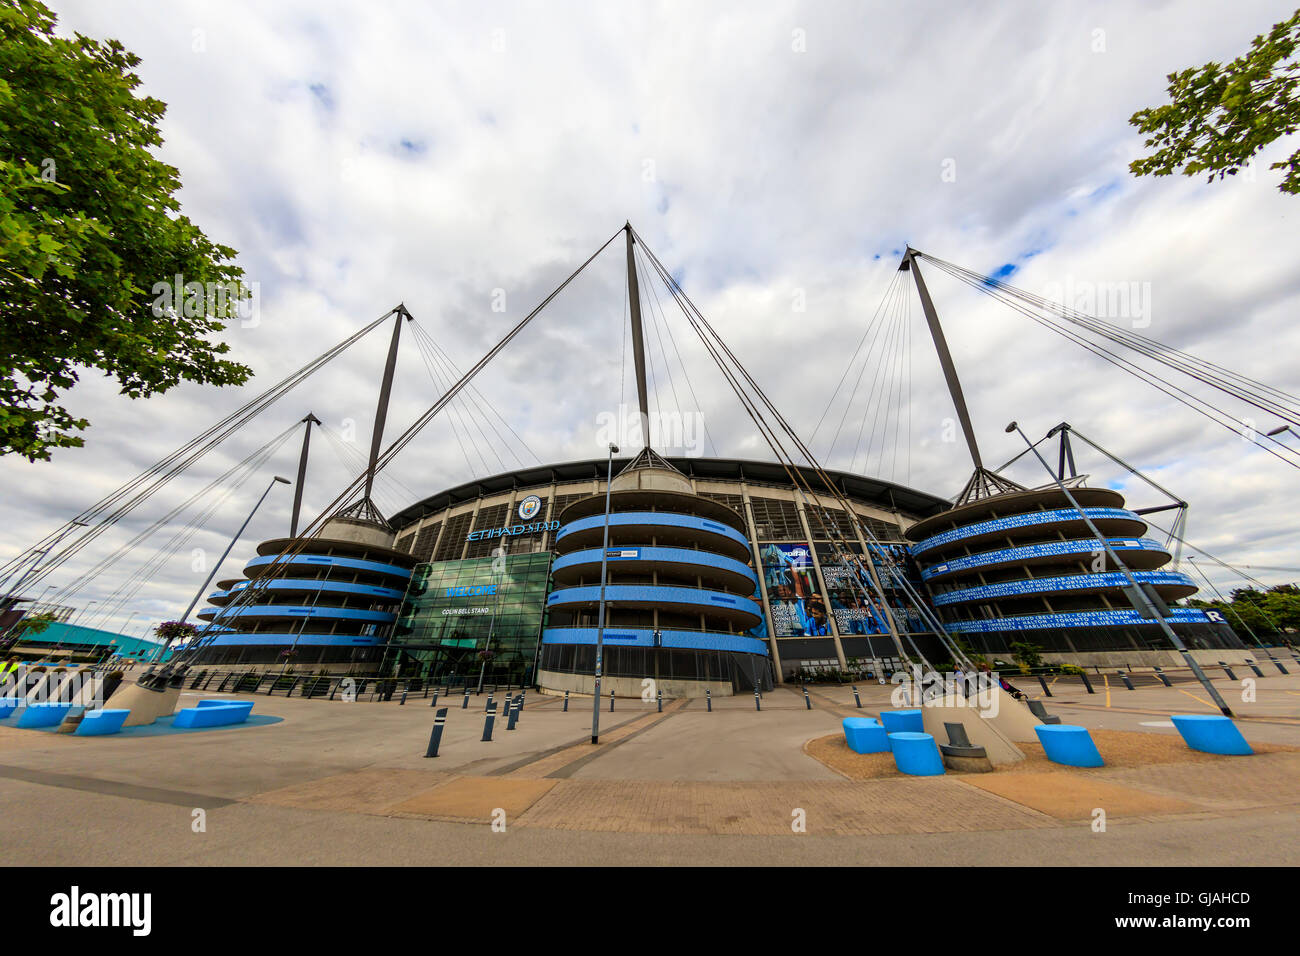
(529, 507)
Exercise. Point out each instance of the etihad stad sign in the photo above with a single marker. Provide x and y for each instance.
(535, 527)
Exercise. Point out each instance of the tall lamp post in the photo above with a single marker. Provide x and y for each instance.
(1135, 590)
(213, 573)
(600, 617)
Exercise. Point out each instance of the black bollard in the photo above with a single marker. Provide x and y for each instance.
(1086, 683)
(1163, 679)
(806, 699)
(405, 690)
(488, 705)
(522, 694)
(435, 698)
(611, 702)
(566, 701)
(491, 716)
(1047, 691)
(856, 699)
(757, 704)
(514, 716)
(1255, 667)
(1127, 683)
(435, 738)
(464, 704)
(661, 701)
(1227, 670)
(519, 706)
(708, 699)
(1278, 664)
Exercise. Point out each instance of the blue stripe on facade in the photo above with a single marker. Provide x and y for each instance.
(329, 560)
(665, 519)
(1069, 582)
(644, 637)
(1049, 549)
(1033, 622)
(1026, 520)
(686, 556)
(650, 594)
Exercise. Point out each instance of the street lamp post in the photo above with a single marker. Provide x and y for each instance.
(600, 617)
(213, 573)
(1284, 428)
(1136, 589)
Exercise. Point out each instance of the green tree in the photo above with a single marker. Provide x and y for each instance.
(90, 237)
(1220, 116)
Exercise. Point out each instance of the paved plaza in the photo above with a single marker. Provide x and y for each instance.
(346, 783)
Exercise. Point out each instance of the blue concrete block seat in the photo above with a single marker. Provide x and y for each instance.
(902, 721)
(101, 723)
(865, 735)
(214, 713)
(915, 754)
(1068, 744)
(1211, 734)
(7, 707)
(42, 715)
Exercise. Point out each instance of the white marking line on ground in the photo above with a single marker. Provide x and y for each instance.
(1156, 723)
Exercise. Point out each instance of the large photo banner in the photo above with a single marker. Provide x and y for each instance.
(797, 606)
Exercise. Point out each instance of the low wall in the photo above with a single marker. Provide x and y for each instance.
(555, 684)
(1162, 658)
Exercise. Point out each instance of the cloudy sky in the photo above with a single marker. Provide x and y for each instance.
(465, 158)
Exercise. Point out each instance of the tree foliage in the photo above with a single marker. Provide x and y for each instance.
(1220, 116)
(90, 229)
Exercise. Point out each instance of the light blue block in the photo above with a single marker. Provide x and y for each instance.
(214, 714)
(101, 723)
(1211, 734)
(1068, 744)
(902, 721)
(43, 715)
(865, 736)
(7, 707)
(916, 754)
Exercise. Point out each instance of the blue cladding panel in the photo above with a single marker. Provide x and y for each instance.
(644, 637)
(1026, 520)
(326, 560)
(1034, 622)
(649, 594)
(1051, 549)
(687, 556)
(1069, 582)
(663, 519)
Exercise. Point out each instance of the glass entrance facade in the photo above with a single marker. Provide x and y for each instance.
(478, 615)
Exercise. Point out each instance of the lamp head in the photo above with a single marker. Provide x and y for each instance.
(1010, 428)
(613, 449)
(1279, 430)
(283, 481)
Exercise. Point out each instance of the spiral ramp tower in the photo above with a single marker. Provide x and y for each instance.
(1024, 567)
(329, 603)
(680, 593)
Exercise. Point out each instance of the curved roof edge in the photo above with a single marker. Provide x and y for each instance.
(919, 503)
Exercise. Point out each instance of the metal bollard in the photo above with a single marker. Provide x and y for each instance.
(488, 705)
(1255, 667)
(566, 701)
(1227, 670)
(1278, 664)
(1124, 677)
(488, 720)
(1163, 679)
(708, 699)
(405, 691)
(1086, 683)
(334, 689)
(435, 738)
(611, 701)
(660, 696)
(806, 699)
(519, 706)
(1047, 691)
(514, 716)
(435, 698)
(757, 704)
(464, 704)
(856, 699)
(523, 692)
